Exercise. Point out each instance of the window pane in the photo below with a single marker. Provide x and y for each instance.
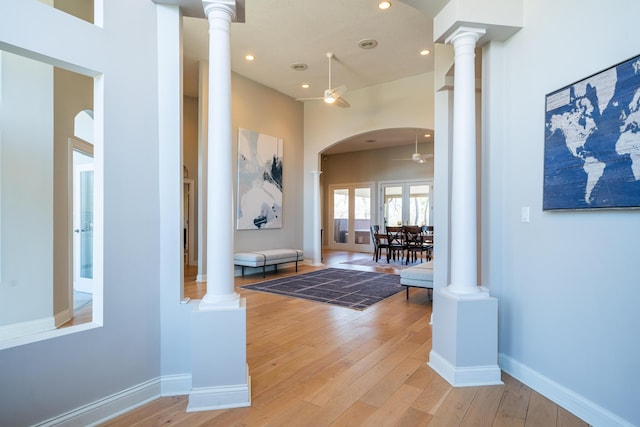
(419, 205)
(340, 215)
(393, 205)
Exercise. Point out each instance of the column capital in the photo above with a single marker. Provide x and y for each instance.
(316, 173)
(228, 6)
(464, 32)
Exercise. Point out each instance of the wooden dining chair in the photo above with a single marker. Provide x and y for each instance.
(427, 240)
(413, 240)
(395, 239)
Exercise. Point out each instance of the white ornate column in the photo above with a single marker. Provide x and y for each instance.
(219, 372)
(317, 224)
(220, 227)
(465, 317)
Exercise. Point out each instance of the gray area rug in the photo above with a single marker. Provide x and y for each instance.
(346, 288)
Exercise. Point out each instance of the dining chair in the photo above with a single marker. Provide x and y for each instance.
(395, 239)
(413, 240)
(427, 240)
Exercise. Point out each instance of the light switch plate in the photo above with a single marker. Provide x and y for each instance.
(525, 214)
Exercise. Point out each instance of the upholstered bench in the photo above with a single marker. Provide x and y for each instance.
(267, 257)
(417, 276)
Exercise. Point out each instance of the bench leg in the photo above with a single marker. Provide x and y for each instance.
(264, 271)
(243, 271)
(407, 292)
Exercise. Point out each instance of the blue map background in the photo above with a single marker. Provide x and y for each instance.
(592, 141)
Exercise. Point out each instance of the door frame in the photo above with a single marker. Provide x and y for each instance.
(74, 144)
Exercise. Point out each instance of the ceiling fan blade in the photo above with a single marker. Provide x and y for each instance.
(309, 99)
(336, 92)
(342, 103)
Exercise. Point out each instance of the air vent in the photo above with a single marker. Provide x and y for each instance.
(367, 44)
(299, 67)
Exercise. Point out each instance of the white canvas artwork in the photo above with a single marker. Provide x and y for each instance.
(259, 181)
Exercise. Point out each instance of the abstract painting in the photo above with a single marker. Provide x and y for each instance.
(259, 181)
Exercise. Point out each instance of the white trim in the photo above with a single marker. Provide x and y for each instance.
(16, 330)
(124, 401)
(223, 397)
(110, 407)
(175, 385)
(466, 376)
(582, 407)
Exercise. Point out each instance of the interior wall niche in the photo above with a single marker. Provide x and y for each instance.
(38, 107)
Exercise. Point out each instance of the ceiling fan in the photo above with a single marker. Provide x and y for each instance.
(417, 157)
(332, 96)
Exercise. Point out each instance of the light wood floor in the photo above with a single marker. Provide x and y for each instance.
(313, 364)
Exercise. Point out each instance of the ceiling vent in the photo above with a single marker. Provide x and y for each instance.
(367, 44)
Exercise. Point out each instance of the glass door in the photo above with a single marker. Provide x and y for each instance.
(351, 207)
(406, 203)
(83, 222)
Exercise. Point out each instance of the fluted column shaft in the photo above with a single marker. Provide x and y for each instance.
(220, 290)
(464, 260)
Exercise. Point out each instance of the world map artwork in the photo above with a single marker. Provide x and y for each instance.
(592, 141)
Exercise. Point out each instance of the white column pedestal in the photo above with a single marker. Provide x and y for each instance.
(465, 338)
(220, 375)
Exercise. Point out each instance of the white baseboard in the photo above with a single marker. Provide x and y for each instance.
(578, 405)
(122, 402)
(109, 407)
(213, 398)
(464, 376)
(176, 385)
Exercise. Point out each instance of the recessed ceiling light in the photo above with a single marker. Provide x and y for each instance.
(425, 52)
(384, 5)
(427, 135)
(249, 57)
(305, 85)
(367, 43)
(299, 67)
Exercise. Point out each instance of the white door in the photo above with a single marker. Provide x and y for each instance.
(351, 207)
(406, 203)
(82, 222)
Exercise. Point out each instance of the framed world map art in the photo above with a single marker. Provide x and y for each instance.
(592, 141)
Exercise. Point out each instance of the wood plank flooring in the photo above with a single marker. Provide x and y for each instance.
(313, 364)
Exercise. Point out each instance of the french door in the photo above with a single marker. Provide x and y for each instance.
(406, 203)
(350, 210)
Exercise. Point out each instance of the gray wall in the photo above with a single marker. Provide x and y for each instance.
(48, 378)
(567, 282)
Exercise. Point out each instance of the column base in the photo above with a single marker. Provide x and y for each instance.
(201, 278)
(220, 375)
(223, 397)
(465, 338)
(220, 302)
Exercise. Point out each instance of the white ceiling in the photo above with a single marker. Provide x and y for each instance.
(284, 32)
